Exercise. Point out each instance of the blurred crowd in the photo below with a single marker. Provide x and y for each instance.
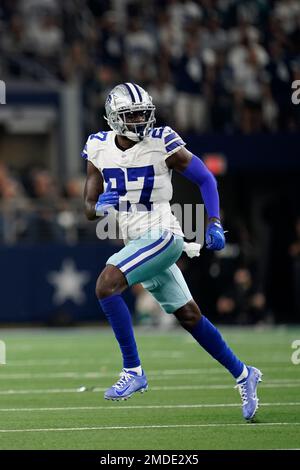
(33, 209)
(210, 65)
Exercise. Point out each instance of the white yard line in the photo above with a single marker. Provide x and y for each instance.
(95, 360)
(159, 388)
(157, 372)
(144, 407)
(153, 374)
(162, 426)
(208, 365)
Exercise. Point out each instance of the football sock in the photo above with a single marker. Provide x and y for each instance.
(138, 370)
(211, 340)
(243, 375)
(119, 317)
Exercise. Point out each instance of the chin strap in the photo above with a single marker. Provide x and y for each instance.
(192, 249)
(132, 136)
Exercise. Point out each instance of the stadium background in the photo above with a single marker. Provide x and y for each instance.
(220, 73)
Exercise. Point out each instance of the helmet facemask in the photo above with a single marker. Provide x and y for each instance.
(121, 118)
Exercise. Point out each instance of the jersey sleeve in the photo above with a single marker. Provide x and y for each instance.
(172, 141)
(84, 153)
(93, 144)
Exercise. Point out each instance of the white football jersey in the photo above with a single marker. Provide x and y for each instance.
(141, 177)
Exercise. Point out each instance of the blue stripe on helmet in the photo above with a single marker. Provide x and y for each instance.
(130, 92)
(138, 92)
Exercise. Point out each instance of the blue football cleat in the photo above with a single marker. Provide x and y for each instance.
(128, 383)
(247, 389)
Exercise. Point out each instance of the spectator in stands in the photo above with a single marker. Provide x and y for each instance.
(190, 107)
(247, 61)
(243, 304)
(140, 50)
(14, 207)
(43, 225)
(164, 95)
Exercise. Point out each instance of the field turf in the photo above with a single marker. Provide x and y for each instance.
(191, 402)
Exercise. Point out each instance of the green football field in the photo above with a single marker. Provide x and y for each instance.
(191, 402)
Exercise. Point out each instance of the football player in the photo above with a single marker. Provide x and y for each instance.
(129, 172)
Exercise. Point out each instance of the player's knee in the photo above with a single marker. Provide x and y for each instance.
(188, 315)
(111, 281)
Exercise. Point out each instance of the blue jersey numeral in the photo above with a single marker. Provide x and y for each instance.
(158, 132)
(146, 172)
(119, 176)
(102, 135)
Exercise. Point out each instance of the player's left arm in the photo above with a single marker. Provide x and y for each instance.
(190, 166)
(92, 190)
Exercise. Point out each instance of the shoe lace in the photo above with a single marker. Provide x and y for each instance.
(243, 392)
(123, 380)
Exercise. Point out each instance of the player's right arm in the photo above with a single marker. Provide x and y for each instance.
(190, 166)
(92, 190)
